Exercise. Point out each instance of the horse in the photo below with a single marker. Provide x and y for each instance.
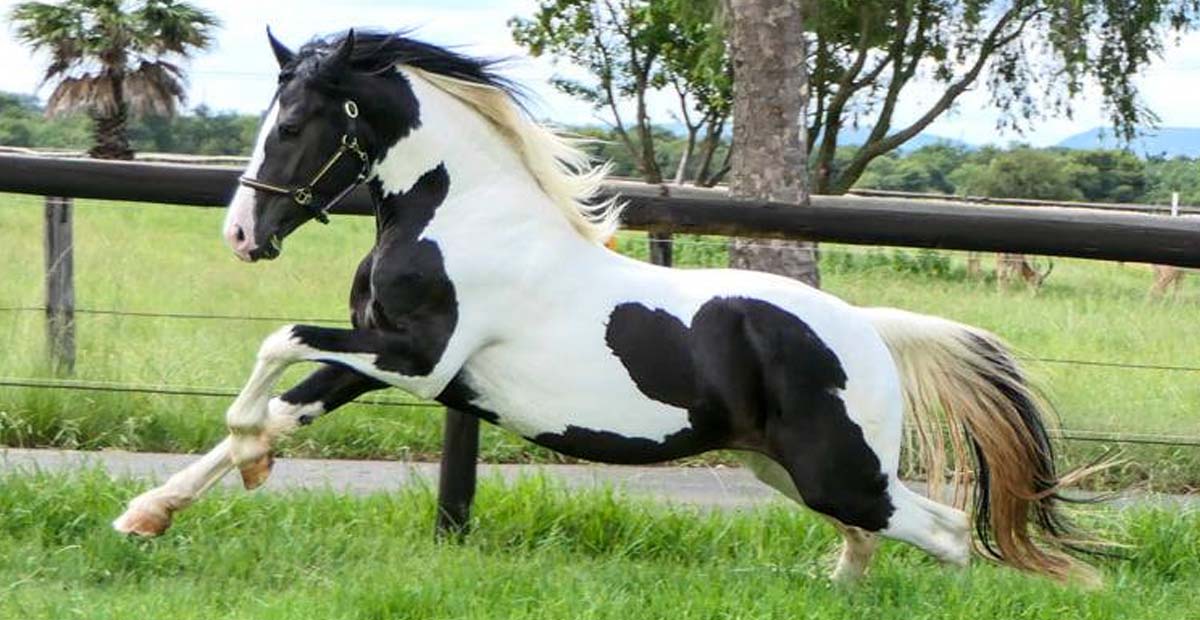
(490, 290)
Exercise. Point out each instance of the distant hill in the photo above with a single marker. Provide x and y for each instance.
(849, 136)
(856, 136)
(1168, 141)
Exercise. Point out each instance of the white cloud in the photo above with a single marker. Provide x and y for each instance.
(239, 73)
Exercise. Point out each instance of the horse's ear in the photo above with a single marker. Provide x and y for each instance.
(339, 59)
(282, 54)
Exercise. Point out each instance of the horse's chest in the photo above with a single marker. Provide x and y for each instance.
(402, 289)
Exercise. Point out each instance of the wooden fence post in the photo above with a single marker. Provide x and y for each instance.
(456, 477)
(60, 285)
(661, 249)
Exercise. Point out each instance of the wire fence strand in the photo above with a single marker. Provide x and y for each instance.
(227, 392)
(167, 390)
(328, 321)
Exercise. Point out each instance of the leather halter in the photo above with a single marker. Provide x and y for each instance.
(303, 195)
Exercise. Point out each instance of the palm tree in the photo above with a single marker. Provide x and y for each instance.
(111, 58)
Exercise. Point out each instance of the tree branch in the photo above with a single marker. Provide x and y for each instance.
(837, 105)
(995, 40)
(901, 72)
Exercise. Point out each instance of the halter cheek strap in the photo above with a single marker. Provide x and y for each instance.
(303, 195)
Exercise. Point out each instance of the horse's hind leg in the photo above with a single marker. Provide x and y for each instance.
(837, 473)
(942, 531)
(858, 545)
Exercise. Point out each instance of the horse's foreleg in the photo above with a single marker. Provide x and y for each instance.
(323, 391)
(150, 513)
(328, 388)
(251, 418)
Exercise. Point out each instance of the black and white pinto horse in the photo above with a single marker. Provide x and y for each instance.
(489, 289)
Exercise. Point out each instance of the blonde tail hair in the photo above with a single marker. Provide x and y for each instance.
(964, 380)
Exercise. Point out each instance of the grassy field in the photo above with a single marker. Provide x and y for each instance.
(537, 552)
(147, 258)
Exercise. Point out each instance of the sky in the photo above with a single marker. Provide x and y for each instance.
(239, 73)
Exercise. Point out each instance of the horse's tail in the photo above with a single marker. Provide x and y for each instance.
(962, 387)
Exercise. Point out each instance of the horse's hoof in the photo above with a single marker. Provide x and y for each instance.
(255, 473)
(142, 521)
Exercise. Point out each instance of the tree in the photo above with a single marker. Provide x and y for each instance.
(769, 155)
(1167, 176)
(631, 48)
(1033, 55)
(1109, 176)
(111, 58)
(1021, 172)
(696, 63)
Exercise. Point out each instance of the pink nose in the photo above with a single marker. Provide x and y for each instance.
(241, 243)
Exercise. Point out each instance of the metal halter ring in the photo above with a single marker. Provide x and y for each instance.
(303, 196)
(351, 108)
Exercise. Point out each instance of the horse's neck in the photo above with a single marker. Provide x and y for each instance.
(493, 205)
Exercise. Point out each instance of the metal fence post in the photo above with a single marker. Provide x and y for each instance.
(661, 249)
(456, 477)
(60, 285)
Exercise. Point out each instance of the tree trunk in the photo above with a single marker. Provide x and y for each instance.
(110, 139)
(686, 158)
(712, 139)
(109, 130)
(770, 154)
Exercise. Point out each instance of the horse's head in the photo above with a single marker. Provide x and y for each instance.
(332, 119)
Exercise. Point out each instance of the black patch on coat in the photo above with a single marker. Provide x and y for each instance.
(752, 376)
(459, 395)
(609, 447)
(405, 308)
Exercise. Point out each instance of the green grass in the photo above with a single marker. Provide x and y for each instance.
(536, 552)
(149, 258)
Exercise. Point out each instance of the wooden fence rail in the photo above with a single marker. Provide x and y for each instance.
(1074, 230)
(1051, 231)
(1027, 202)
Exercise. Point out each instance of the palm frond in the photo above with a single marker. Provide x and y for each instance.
(93, 93)
(154, 88)
(174, 27)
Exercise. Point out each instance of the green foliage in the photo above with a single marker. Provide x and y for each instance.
(1179, 174)
(203, 132)
(1024, 172)
(1020, 173)
(1109, 176)
(922, 262)
(924, 170)
(1033, 56)
(23, 123)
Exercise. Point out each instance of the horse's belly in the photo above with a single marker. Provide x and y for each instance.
(582, 407)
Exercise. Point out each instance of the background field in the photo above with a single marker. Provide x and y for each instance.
(149, 258)
(537, 552)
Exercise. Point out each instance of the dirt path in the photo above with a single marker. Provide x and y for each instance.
(722, 487)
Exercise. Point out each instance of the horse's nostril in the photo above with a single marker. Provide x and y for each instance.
(240, 235)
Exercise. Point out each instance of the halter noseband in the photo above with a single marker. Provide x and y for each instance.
(303, 195)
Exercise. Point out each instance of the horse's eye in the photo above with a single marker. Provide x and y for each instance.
(289, 130)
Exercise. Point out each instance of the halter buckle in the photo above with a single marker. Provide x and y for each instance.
(303, 196)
